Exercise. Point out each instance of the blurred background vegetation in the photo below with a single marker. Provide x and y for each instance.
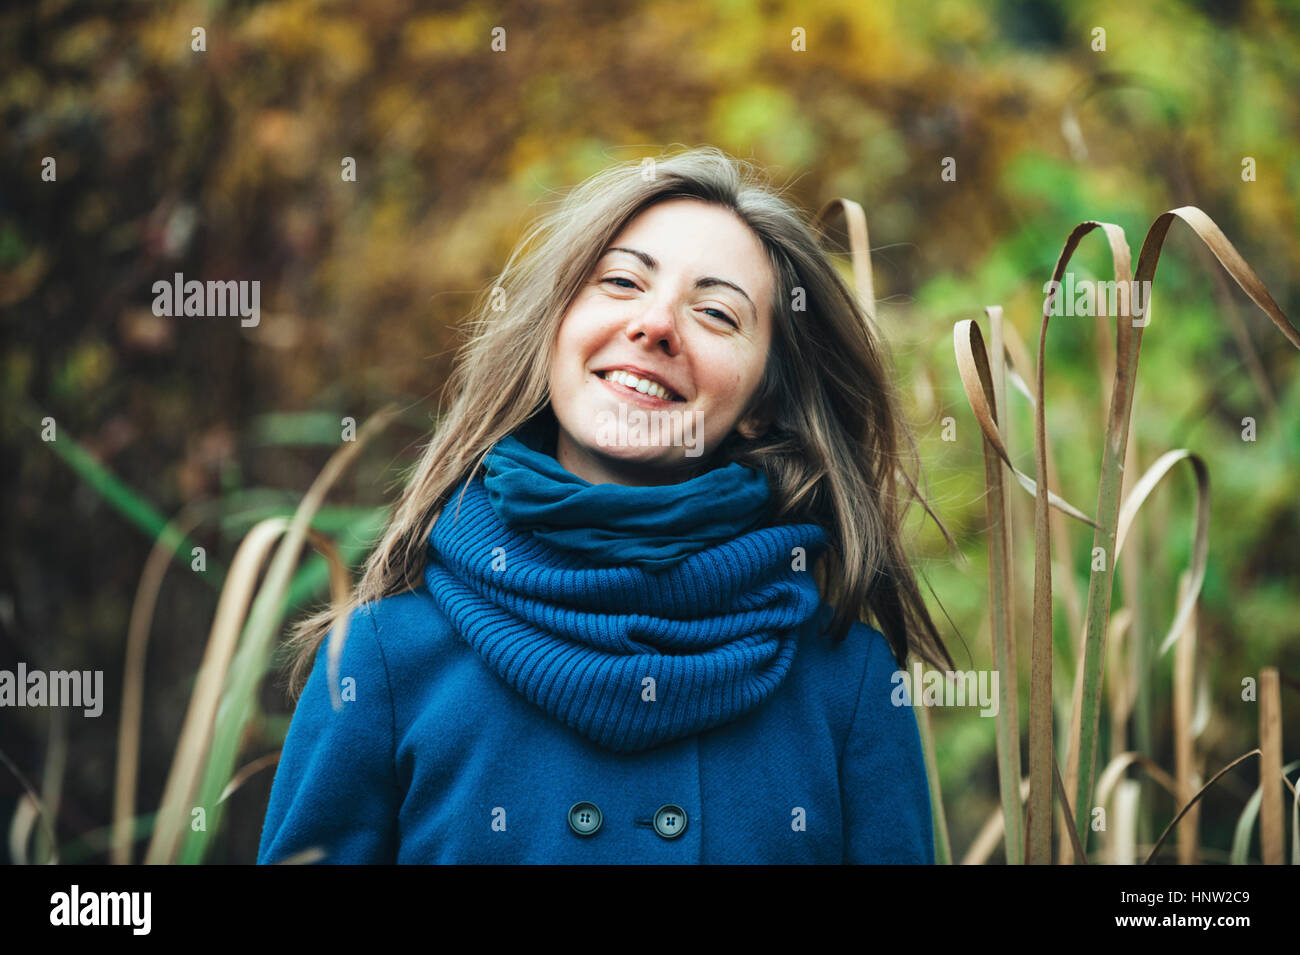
(225, 164)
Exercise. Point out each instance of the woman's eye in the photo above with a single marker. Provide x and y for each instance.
(629, 284)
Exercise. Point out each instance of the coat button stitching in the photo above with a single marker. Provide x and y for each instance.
(670, 821)
(584, 818)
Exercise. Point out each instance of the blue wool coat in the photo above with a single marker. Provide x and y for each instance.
(437, 760)
(605, 674)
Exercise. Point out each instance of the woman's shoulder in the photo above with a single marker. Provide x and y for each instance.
(405, 625)
(860, 665)
(862, 645)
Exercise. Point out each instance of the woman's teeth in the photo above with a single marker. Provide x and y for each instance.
(643, 385)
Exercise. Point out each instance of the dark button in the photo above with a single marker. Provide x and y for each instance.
(670, 821)
(584, 818)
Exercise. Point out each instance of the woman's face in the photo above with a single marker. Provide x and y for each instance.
(681, 296)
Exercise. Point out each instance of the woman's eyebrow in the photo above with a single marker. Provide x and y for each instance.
(707, 281)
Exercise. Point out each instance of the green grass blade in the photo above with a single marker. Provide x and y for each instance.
(126, 501)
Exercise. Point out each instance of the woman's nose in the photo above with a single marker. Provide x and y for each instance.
(657, 323)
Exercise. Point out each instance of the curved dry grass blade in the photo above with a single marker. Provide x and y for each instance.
(1249, 353)
(247, 772)
(973, 366)
(192, 746)
(1240, 852)
(250, 665)
(998, 371)
(1019, 362)
(1226, 253)
(232, 610)
(1018, 357)
(855, 222)
(1111, 777)
(36, 805)
(1195, 799)
(137, 642)
(1015, 378)
(1038, 835)
(1272, 825)
(1115, 770)
(990, 834)
(26, 813)
(1001, 614)
(201, 728)
(1200, 540)
(1127, 347)
(1040, 701)
(1000, 332)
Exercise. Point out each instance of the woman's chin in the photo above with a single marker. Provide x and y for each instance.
(643, 455)
(638, 464)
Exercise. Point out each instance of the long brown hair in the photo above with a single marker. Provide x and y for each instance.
(832, 439)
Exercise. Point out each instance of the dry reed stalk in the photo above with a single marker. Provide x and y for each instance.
(1123, 822)
(973, 366)
(1272, 828)
(1134, 581)
(1001, 614)
(1128, 344)
(1239, 854)
(1121, 699)
(990, 834)
(1184, 756)
(210, 735)
(1195, 799)
(1040, 691)
(29, 810)
(855, 220)
(196, 731)
(942, 842)
(137, 643)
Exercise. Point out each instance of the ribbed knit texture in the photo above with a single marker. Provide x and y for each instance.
(715, 631)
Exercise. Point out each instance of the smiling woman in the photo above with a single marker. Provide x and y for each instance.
(656, 309)
(618, 650)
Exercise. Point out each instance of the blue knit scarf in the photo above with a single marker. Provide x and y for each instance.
(616, 524)
(682, 632)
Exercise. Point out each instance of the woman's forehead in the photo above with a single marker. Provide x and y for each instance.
(702, 239)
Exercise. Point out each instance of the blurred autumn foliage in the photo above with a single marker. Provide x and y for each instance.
(225, 163)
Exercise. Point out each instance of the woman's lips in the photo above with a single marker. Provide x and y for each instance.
(637, 397)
